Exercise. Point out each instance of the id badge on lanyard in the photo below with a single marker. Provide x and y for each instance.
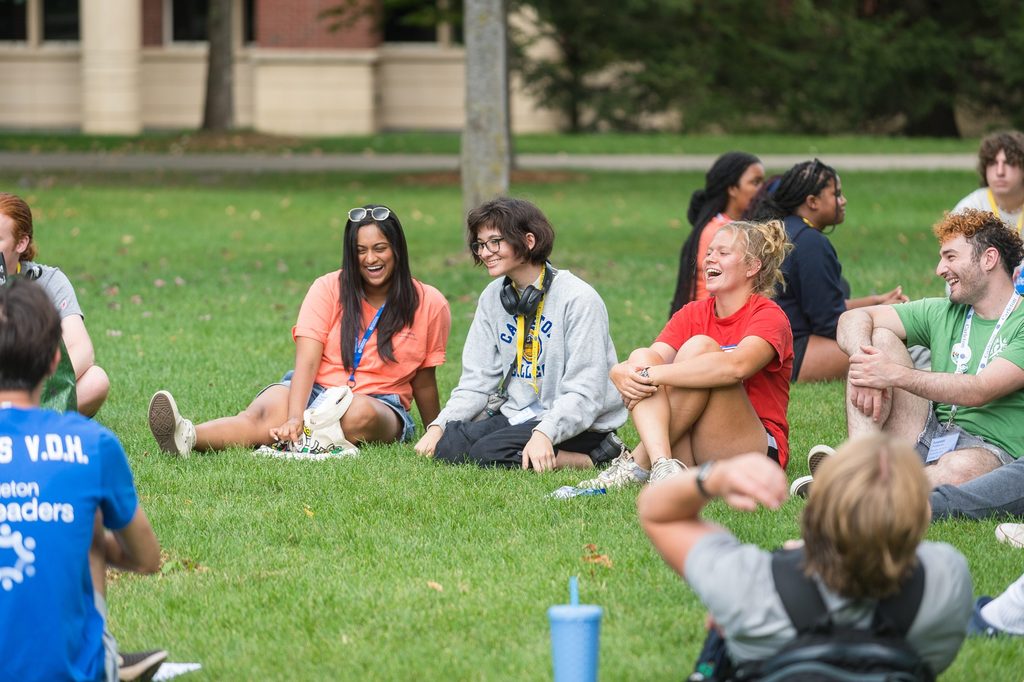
(962, 351)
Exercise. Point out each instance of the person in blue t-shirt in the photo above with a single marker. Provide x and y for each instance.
(67, 498)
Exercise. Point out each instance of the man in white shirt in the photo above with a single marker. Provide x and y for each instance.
(1001, 167)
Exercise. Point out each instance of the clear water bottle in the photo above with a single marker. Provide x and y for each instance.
(1018, 281)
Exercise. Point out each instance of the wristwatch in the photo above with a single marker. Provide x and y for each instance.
(703, 471)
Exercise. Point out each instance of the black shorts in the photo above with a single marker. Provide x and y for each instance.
(495, 442)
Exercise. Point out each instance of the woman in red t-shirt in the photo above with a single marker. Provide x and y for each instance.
(370, 326)
(715, 383)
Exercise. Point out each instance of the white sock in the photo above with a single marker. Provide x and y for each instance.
(1006, 611)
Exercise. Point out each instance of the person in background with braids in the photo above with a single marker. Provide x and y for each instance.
(729, 186)
(809, 198)
(715, 383)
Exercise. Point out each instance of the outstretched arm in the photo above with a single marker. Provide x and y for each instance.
(670, 510)
(894, 296)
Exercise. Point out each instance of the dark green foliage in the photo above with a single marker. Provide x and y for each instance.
(819, 66)
(807, 66)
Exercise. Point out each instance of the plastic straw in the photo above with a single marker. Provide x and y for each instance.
(574, 590)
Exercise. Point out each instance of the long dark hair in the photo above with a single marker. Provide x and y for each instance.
(402, 300)
(805, 179)
(705, 204)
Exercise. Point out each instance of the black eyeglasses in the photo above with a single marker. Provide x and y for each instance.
(379, 213)
(492, 244)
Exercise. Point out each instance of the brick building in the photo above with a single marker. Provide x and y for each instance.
(120, 66)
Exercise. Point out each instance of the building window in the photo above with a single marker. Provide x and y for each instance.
(188, 20)
(421, 21)
(35, 21)
(60, 20)
(13, 20)
(405, 24)
(248, 21)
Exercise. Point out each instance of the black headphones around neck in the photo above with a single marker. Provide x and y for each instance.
(527, 302)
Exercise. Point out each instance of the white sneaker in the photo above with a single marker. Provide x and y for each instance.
(621, 472)
(801, 487)
(817, 455)
(1011, 534)
(173, 434)
(666, 468)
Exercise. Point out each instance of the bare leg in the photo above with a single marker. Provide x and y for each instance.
(368, 420)
(960, 466)
(248, 428)
(566, 459)
(823, 360)
(651, 416)
(92, 389)
(701, 424)
(729, 426)
(906, 413)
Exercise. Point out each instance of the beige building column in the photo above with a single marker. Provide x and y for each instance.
(111, 39)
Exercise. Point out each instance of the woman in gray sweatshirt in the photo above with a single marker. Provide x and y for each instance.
(539, 339)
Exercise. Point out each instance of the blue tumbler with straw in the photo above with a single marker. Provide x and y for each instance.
(575, 638)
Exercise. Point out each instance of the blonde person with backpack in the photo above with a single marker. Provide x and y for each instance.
(863, 561)
(369, 326)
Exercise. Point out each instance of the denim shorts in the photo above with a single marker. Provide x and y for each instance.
(390, 399)
(933, 428)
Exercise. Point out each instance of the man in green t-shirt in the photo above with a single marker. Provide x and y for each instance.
(964, 415)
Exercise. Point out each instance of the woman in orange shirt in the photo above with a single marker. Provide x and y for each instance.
(369, 326)
(729, 186)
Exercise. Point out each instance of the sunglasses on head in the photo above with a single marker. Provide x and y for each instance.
(359, 214)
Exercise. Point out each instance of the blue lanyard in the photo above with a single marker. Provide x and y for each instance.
(360, 345)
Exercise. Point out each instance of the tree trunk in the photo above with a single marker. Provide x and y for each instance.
(486, 142)
(219, 110)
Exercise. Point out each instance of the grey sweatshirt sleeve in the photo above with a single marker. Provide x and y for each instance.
(583, 388)
(482, 369)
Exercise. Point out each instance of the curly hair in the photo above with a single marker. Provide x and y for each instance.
(1011, 142)
(982, 230)
(865, 517)
(767, 243)
(15, 208)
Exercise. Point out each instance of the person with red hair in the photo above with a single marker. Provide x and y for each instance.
(19, 252)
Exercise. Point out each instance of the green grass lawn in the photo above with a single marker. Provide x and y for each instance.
(391, 566)
(184, 142)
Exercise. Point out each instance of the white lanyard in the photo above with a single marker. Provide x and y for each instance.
(962, 350)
